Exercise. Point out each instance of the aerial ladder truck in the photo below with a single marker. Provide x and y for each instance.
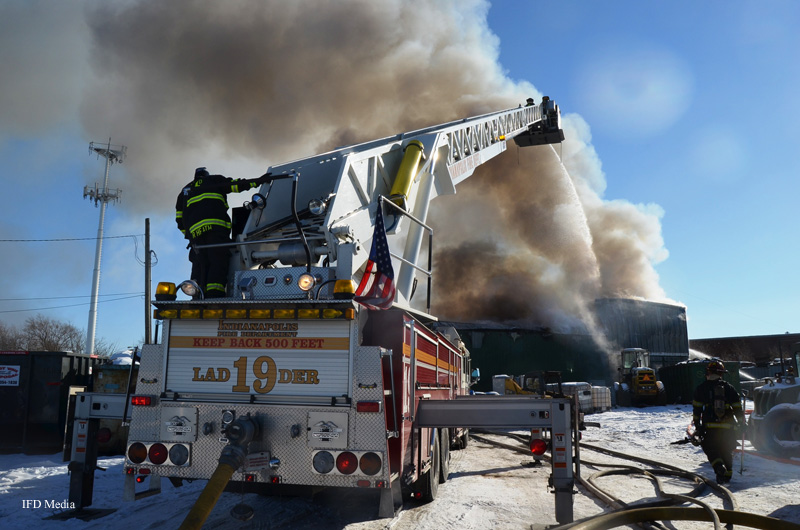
(289, 381)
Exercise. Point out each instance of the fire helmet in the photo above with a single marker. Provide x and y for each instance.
(200, 172)
(716, 367)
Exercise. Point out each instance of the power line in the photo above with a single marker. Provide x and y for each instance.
(65, 239)
(63, 297)
(135, 238)
(71, 305)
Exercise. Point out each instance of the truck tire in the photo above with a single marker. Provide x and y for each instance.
(430, 481)
(756, 436)
(444, 466)
(781, 425)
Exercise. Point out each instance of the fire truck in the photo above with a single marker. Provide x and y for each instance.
(314, 369)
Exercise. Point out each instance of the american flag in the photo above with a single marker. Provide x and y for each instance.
(376, 290)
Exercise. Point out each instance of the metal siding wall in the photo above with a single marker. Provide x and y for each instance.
(515, 352)
(640, 324)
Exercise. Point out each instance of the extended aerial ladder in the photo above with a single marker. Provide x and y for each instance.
(334, 196)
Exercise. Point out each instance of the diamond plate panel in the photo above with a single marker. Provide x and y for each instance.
(281, 283)
(283, 428)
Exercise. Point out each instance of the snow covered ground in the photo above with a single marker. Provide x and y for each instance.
(489, 487)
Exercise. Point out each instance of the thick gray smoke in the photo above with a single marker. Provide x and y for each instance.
(536, 242)
(260, 82)
(270, 81)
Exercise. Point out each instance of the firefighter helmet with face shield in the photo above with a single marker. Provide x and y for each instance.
(716, 368)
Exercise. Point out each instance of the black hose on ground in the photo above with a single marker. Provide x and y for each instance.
(649, 512)
(677, 513)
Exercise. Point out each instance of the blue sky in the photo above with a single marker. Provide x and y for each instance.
(690, 107)
(701, 118)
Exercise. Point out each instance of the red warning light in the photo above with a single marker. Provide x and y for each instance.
(368, 406)
(538, 446)
(141, 401)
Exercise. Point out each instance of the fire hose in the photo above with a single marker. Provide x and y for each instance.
(240, 433)
(646, 513)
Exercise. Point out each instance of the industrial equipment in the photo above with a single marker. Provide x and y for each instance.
(638, 385)
(774, 425)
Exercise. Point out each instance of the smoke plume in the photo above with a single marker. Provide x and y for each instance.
(251, 83)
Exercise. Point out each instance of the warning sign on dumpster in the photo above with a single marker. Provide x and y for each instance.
(9, 375)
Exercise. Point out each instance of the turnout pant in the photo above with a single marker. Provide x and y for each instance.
(718, 445)
(212, 263)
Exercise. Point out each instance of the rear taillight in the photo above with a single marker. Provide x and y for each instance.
(178, 454)
(158, 454)
(137, 453)
(370, 463)
(346, 463)
(103, 435)
(323, 462)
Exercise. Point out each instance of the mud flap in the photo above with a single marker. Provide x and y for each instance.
(129, 493)
(391, 500)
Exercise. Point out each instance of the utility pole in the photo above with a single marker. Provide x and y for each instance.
(101, 196)
(148, 315)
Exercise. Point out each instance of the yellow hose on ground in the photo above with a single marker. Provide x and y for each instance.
(239, 433)
(208, 498)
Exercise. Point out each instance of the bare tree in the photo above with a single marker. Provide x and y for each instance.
(104, 348)
(10, 338)
(40, 333)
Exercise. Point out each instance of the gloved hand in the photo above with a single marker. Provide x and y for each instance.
(700, 431)
(263, 179)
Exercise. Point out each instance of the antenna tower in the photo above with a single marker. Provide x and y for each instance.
(101, 196)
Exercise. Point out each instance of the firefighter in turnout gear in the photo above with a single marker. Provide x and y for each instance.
(718, 419)
(201, 212)
(180, 205)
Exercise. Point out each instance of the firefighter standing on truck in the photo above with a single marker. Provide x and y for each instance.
(201, 212)
(718, 418)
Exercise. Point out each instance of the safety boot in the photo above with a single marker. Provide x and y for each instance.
(720, 472)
